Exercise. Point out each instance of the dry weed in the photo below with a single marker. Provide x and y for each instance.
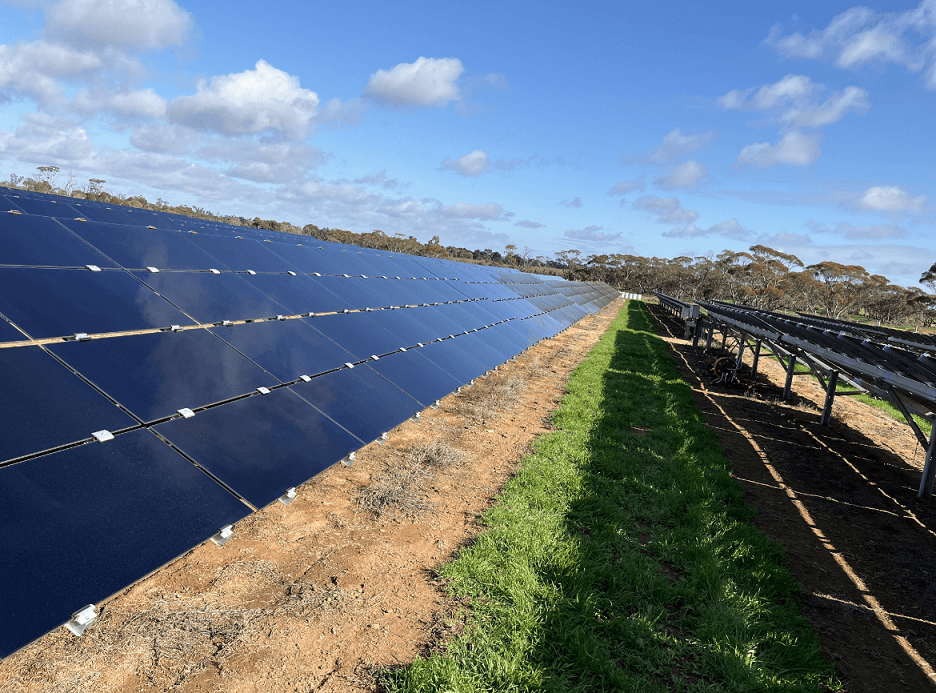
(395, 491)
(435, 454)
(487, 400)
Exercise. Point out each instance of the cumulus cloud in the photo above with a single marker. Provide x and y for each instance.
(729, 229)
(382, 180)
(425, 82)
(125, 104)
(574, 202)
(861, 35)
(472, 164)
(799, 96)
(676, 144)
(686, 175)
(794, 149)
(890, 199)
(487, 211)
(527, 224)
(669, 210)
(44, 139)
(869, 232)
(264, 99)
(131, 25)
(34, 70)
(592, 234)
(260, 161)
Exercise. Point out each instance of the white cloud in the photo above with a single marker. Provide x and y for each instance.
(891, 199)
(729, 229)
(686, 175)
(261, 161)
(676, 144)
(131, 25)
(574, 202)
(527, 224)
(861, 35)
(382, 180)
(264, 99)
(870, 231)
(472, 164)
(795, 149)
(426, 82)
(798, 94)
(165, 139)
(669, 210)
(140, 103)
(34, 70)
(624, 187)
(48, 140)
(592, 234)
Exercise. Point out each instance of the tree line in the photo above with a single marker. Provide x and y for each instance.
(761, 277)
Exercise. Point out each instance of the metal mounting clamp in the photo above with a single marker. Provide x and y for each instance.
(348, 460)
(263, 390)
(103, 436)
(81, 619)
(154, 270)
(214, 271)
(305, 378)
(185, 412)
(223, 535)
(93, 268)
(288, 497)
(350, 365)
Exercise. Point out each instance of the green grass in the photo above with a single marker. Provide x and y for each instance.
(562, 594)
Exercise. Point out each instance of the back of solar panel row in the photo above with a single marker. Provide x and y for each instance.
(217, 324)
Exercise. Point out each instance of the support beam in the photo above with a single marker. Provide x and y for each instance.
(700, 325)
(791, 371)
(724, 336)
(929, 467)
(757, 347)
(711, 333)
(829, 398)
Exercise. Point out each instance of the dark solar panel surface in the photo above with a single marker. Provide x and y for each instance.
(121, 508)
(83, 523)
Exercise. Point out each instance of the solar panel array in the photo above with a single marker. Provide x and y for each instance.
(896, 366)
(165, 376)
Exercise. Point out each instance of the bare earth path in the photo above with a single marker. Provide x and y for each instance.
(317, 595)
(841, 499)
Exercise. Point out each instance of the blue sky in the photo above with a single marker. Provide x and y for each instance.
(659, 129)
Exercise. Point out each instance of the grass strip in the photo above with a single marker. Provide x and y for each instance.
(621, 556)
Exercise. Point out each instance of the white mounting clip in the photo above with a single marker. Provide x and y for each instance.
(349, 365)
(305, 378)
(154, 270)
(290, 273)
(349, 460)
(82, 337)
(435, 405)
(346, 275)
(288, 497)
(226, 323)
(402, 348)
(186, 413)
(93, 268)
(81, 619)
(316, 274)
(214, 271)
(103, 436)
(280, 317)
(223, 535)
(175, 328)
(375, 358)
(383, 437)
(416, 417)
(250, 272)
(263, 390)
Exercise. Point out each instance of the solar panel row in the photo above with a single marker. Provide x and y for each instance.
(220, 366)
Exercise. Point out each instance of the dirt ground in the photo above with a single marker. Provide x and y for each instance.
(841, 499)
(323, 593)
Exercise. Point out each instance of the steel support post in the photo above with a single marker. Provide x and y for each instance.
(791, 369)
(929, 468)
(724, 337)
(711, 333)
(757, 346)
(830, 396)
(700, 325)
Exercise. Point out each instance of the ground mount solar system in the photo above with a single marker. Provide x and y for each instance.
(164, 377)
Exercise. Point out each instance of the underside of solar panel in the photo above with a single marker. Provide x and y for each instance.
(164, 377)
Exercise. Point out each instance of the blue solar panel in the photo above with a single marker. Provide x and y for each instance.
(47, 405)
(286, 348)
(46, 208)
(135, 247)
(83, 523)
(360, 400)
(211, 298)
(357, 333)
(261, 445)
(30, 240)
(59, 302)
(416, 375)
(241, 254)
(154, 375)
